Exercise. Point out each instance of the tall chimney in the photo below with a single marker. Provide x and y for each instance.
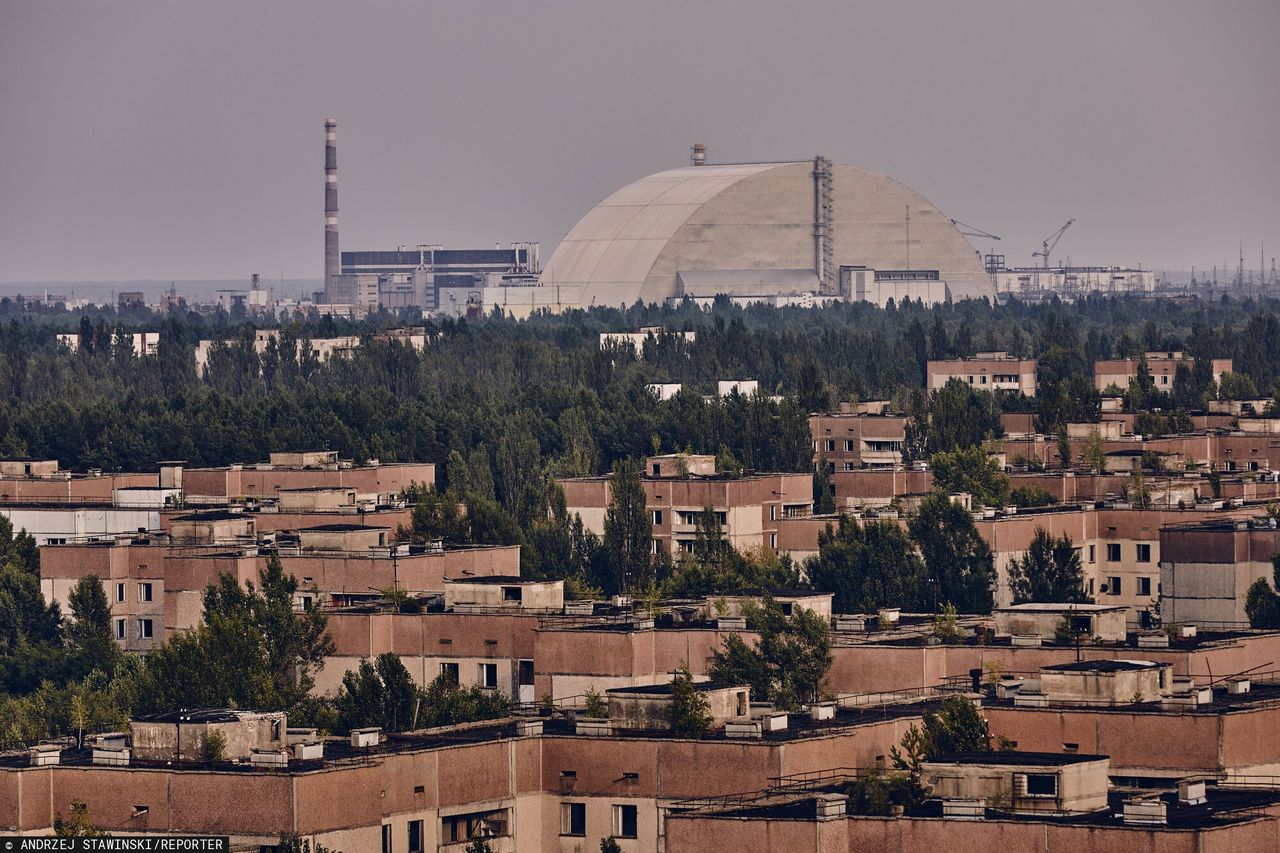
(332, 260)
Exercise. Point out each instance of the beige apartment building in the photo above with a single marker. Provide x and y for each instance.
(679, 487)
(848, 442)
(1117, 372)
(156, 586)
(986, 371)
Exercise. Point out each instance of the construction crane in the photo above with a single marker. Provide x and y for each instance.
(1051, 241)
(971, 231)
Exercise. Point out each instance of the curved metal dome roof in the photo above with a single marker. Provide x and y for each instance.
(633, 244)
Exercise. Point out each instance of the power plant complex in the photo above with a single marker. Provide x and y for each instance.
(804, 232)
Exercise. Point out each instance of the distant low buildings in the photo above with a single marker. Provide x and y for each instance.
(637, 340)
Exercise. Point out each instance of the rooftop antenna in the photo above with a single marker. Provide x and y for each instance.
(908, 236)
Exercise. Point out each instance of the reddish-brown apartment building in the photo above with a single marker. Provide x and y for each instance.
(291, 471)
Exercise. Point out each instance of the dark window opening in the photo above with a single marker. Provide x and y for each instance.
(1042, 785)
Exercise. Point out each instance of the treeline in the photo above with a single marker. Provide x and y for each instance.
(480, 383)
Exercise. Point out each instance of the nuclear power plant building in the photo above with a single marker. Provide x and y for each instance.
(763, 230)
(788, 233)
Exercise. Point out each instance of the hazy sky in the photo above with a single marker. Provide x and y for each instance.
(185, 140)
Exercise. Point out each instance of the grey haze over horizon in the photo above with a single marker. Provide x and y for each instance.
(144, 139)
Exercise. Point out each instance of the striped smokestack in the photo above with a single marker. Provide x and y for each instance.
(332, 260)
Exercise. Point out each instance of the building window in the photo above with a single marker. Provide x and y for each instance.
(848, 466)
(1144, 553)
(831, 445)
(1144, 586)
(848, 445)
(464, 827)
(144, 591)
(624, 821)
(144, 629)
(1113, 552)
(657, 518)
(773, 512)
(1113, 585)
(119, 592)
(489, 675)
(1093, 553)
(415, 836)
(573, 819)
(773, 541)
(386, 838)
(1042, 785)
(450, 672)
(120, 630)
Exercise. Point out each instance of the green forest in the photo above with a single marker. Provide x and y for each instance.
(492, 384)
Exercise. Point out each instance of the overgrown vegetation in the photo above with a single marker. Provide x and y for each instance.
(690, 708)
(788, 663)
(1262, 603)
(1049, 572)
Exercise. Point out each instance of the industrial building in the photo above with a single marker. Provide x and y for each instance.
(801, 233)
(761, 231)
(427, 275)
(1032, 284)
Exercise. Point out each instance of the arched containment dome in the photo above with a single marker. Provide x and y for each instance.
(666, 234)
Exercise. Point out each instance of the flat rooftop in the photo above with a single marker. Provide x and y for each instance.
(339, 750)
(509, 580)
(211, 515)
(1260, 696)
(1063, 607)
(1103, 666)
(1222, 806)
(314, 489)
(1011, 758)
(666, 690)
(201, 715)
